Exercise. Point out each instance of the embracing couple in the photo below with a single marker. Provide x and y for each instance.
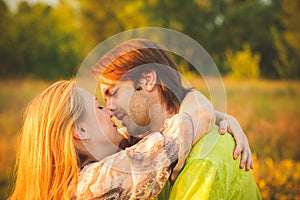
(176, 145)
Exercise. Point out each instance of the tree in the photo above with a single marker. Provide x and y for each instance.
(103, 19)
(5, 48)
(42, 41)
(288, 41)
(198, 19)
(249, 22)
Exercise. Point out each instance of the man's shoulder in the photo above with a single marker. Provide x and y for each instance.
(213, 147)
(195, 101)
(192, 94)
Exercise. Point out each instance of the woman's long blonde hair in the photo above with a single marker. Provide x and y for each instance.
(47, 161)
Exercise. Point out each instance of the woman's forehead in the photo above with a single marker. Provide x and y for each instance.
(84, 93)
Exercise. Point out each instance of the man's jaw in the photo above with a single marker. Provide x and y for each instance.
(132, 128)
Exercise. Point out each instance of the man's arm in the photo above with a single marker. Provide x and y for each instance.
(228, 123)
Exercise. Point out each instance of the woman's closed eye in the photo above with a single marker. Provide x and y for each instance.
(114, 92)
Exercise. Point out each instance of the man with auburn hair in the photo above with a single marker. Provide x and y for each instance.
(142, 87)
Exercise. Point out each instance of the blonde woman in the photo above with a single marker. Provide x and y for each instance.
(68, 150)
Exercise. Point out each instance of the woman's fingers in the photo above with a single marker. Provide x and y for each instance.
(223, 127)
(246, 160)
(249, 162)
(238, 150)
(242, 148)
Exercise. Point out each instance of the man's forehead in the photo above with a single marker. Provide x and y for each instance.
(106, 84)
(105, 88)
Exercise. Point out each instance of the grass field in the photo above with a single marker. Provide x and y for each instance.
(267, 110)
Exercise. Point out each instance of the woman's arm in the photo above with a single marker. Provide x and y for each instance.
(140, 171)
(204, 117)
(228, 123)
(201, 111)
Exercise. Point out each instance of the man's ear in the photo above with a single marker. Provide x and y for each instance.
(81, 133)
(151, 79)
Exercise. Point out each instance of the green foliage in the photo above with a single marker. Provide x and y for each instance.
(243, 64)
(103, 19)
(249, 22)
(198, 19)
(50, 42)
(287, 42)
(39, 41)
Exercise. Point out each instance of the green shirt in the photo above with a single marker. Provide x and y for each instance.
(211, 172)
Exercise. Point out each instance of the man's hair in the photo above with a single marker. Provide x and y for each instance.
(131, 59)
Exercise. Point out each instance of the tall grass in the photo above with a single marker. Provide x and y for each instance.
(267, 110)
(14, 96)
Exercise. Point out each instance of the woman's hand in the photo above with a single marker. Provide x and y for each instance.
(231, 125)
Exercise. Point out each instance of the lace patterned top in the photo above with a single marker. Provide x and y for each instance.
(139, 171)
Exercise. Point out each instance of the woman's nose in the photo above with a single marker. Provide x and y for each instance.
(110, 106)
(107, 111)
(111, 113)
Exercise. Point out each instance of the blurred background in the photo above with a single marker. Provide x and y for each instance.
(254, 43)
